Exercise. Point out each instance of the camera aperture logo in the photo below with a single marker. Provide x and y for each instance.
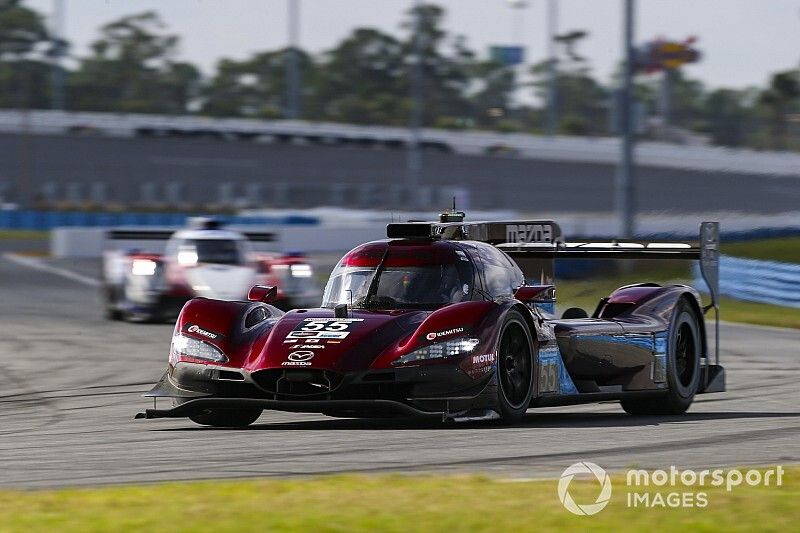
(668, 488)
(584, 468)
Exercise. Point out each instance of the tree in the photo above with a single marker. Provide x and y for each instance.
(24, 45)
(255, 87)
(446, 64)
(491, 99)
(582, 102)
(725, 117)
(132, 69)
(783, 90)
(362, 80)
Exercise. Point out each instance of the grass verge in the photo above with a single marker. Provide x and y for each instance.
(389, 503)
(23, 235)
(785, 249)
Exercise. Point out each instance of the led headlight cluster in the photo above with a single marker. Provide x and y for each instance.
(143, 267)
(439, 350)
(196, 349)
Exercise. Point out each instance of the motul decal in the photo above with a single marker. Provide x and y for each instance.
(483, 359)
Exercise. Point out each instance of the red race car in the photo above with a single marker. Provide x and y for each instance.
(452, 320)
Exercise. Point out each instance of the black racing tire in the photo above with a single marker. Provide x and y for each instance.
(226, 418)
(515, 368)
(685, 348)
(112, 312)
(115, 315)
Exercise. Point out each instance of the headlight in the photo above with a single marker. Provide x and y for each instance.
(301, 271)
(197, 349)
(439, 350)
(143, 267)
(187, 258)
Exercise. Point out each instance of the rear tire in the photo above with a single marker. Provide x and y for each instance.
(112, 312)
(683, 367)
(226, 418)
(515, 369)
(115, 315)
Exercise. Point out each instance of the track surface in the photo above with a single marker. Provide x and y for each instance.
(71, 383)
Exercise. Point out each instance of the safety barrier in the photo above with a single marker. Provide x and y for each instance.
(751, 280)
(46, 220)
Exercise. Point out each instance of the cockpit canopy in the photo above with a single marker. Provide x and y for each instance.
(402, 275)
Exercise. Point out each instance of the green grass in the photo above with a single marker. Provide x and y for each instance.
(758, 313)
(785, 249)
(23, 234)
(387, 503)
(586, 293)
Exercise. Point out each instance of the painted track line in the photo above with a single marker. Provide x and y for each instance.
(38, 264)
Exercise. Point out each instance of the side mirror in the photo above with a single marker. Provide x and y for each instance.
(542, 297)
(536, 294)
(263, 293)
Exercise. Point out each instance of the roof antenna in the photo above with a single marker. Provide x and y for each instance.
(451, 215)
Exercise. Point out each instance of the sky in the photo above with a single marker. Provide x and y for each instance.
(742, 41)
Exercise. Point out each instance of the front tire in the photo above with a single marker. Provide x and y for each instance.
(683, 366)
(515, 369)
(226, 418)
(112, 312)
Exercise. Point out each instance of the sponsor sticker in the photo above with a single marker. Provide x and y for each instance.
(529, 233)
(323, 328)
(483, 359)
(194, 328)
(299, 358)
(437, 334)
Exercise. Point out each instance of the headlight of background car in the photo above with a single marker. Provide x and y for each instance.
(439, 350)
(143, 267)
(196, 349)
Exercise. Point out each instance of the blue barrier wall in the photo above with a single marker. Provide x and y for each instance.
(751, 280)
(46, 220)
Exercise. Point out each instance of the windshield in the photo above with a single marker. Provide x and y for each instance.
(385, 286)
(217, 251)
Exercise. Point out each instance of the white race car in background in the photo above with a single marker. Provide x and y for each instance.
(205, 261)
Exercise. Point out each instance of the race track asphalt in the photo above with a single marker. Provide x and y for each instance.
(71, 382)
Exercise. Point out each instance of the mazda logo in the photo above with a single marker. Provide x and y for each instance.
(301, 356)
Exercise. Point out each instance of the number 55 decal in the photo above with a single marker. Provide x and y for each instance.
(324, 328)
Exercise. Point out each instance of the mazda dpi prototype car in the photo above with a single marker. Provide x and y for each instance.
(453, 320)
(203, 260)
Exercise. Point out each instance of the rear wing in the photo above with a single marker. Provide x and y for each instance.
(163, 234)
(538, 258)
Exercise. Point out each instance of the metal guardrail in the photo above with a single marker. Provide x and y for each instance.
(751, 280)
